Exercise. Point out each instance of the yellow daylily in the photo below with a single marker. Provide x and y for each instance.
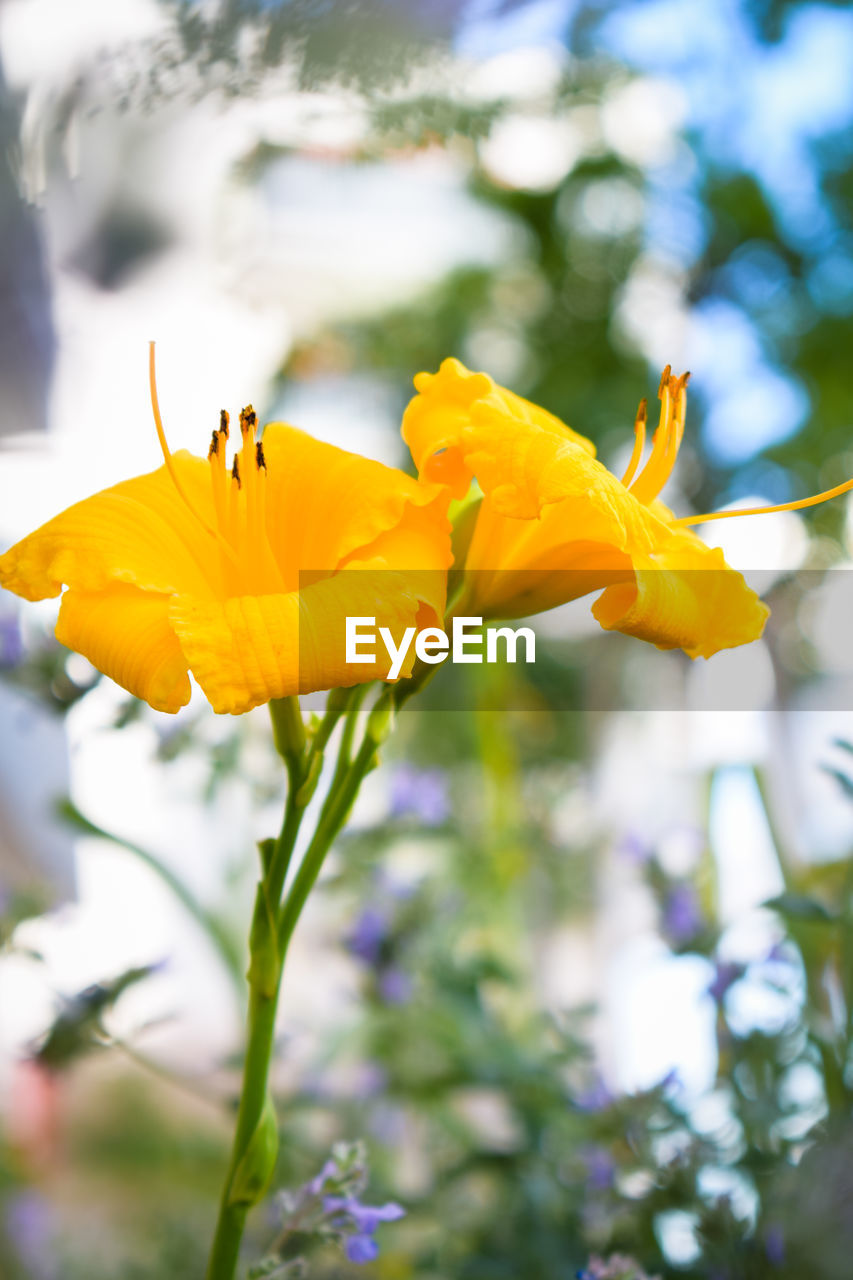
(243, 576)
(555, 524)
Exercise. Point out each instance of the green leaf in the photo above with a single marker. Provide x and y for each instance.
(843, 779)
(798, 906)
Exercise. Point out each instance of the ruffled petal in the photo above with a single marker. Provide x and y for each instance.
(462, 424)
(324, 505)
(247, 650)
(686, 597)
(125, 633)
(554, 524)
(139, 532)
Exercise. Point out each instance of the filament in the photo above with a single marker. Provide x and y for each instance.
(639, 444)
(799, 505)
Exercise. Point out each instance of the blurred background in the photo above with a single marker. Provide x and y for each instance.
(581, 973)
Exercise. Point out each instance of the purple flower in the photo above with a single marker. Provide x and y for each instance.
(672, 1080)
(774, 1245)
(361, 1248)
(395, 987)
(682, 916)
(600, 1167)
(11, 645)
(365, 1218)
(371, 1080)
(596, 1098)
(726, 974)
(29, 1223)
(366, 939)
(635, 850)
(329, 1170)
(421, 793)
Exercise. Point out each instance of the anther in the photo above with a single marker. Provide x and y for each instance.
(260, 460)
(224, 420)
(248, 419)
(664, 380)
(214, 446)
(235, 470)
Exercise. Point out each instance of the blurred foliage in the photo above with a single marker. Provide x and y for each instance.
(47, 671)
(553, 319)
(78, 1028)
(483, 1110)
(364, 44)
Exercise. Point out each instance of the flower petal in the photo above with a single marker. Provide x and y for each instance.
(125, 633)
(249, 649)
(516, 567)
(554, 523)
(140, 531)
(463, 424)
(684, 597)
(325, 504)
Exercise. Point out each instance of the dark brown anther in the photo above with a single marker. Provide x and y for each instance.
(248, 419)
(260, 460)
(235, 470)
(224, 420)
(214, 446)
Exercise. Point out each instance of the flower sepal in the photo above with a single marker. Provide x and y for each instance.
(265, 963)
(257, 1165)
(288, 729)
(308, 786)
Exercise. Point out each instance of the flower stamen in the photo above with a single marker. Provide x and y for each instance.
(667, 437)
(639, 442)
(167, 456)
(799, 505)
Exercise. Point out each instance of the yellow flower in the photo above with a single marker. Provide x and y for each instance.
(555, 524)
(242, 575)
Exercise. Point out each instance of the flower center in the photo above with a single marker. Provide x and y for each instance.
(248, 564)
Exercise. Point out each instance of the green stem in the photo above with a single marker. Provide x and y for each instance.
(342, 793)
(232, 1214)
(263, 1002)
(269, 941)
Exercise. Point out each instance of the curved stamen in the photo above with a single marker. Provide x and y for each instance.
(798, 505)
(216, 458)
(649, 482)
(668, 437)
(167, 457)
(639, 443)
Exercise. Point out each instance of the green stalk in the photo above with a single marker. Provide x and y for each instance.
(254, 1147)
(264, 982)
(342, 793)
